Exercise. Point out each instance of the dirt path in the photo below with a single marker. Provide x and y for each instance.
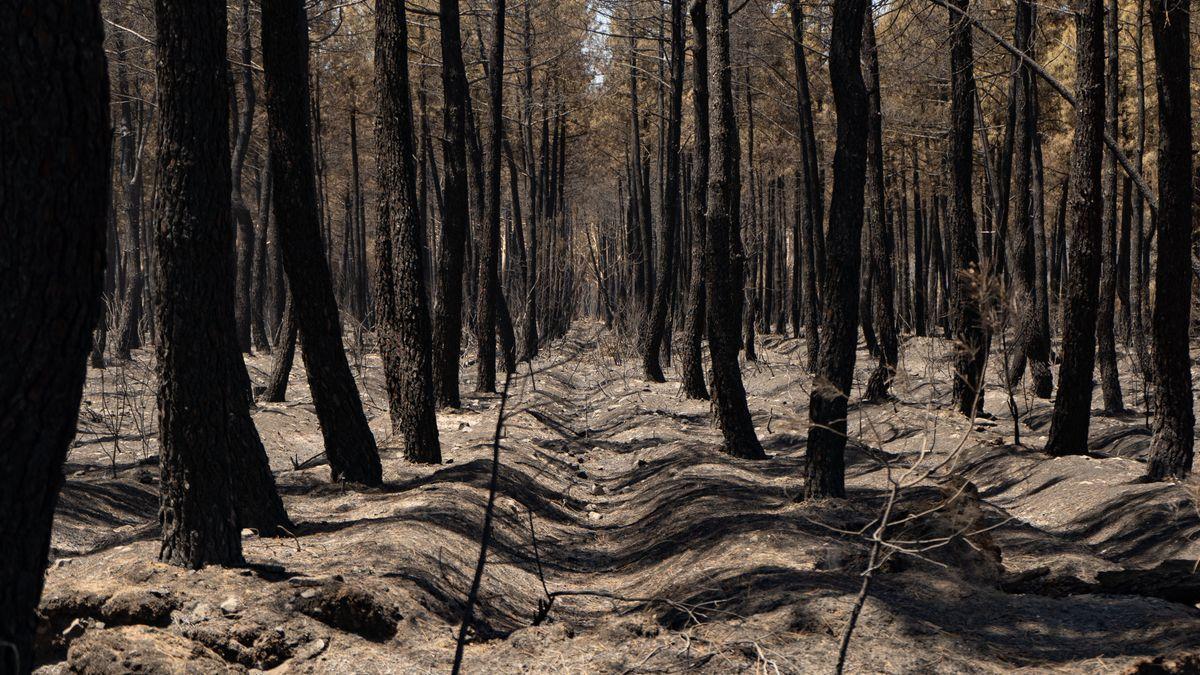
(660, 553)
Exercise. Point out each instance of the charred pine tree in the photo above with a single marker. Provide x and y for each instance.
(1073, 402)
(1106, 340)
(54, 175)
(654, 326)
(1032, 344)
(827, 407)
(489, 291)
(529, 328)
(811, 196)
(723, 278)
(1172, 445)
(447, 319)
(882, 242)
(691, 360)
(215, 478)
(349, 444)
(966, 320)
(285, 354)
(402, 315)
(244, 240)
(258, 278)
(130, 173)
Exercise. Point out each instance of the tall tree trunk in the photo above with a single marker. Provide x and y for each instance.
(405, 335)
(1032, 344)
(128, 335)
(447, 323)
(258, 278)
(965, 319)
(244, 226)
(723, 278)
(642, 255)
(1072, 405)
(1138, 242)
(751, 234)
(529, 331)
(827, 407)
(1172, 445)
(810, 193)
(55, 154)
(1106, 352)
(882, 244)
(691, 360)
(215, 478)
(655, 322)
(489, 254)
(349, 445)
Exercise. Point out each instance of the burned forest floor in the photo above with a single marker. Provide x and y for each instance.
(625, 542)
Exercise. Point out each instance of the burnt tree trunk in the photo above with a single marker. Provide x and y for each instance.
(285, 354)
(405, 336)
(810, 195)
(349, 445)
(882, 244)
(1032, 343)
(447, 324)
(489, 291)
(54, 175)
(1171, 447)
(691, 360)
(654, 327)
(258, 279)
(965, 320)
(215, 478)
(1072, 405)
(1106, 340)
(723, 278)
(827, 407)
(244, 226)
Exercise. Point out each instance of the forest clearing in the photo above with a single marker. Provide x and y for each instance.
(598, 336)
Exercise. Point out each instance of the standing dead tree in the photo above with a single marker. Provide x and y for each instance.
(402, 312)
(349, 444)
(55, 149)
(827, 406)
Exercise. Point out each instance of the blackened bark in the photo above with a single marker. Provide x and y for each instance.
(447, 319)
(882, 244)
(723, 278)
(405, 335)
(920, 259)
(1072, 405)
(349, 445)
(259, 338)
(54, 175)
(1138, 243)
(809, 192)
(1032, 343)
(825, 470)
(489, 292)
(1106, 341)
(244, 242)
(654, 327)
(1171, 447)
(693, 329)
(285, 354)
(214, 472)
(128, 334)
(529, 328)
(965, 320)
(751, 234)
